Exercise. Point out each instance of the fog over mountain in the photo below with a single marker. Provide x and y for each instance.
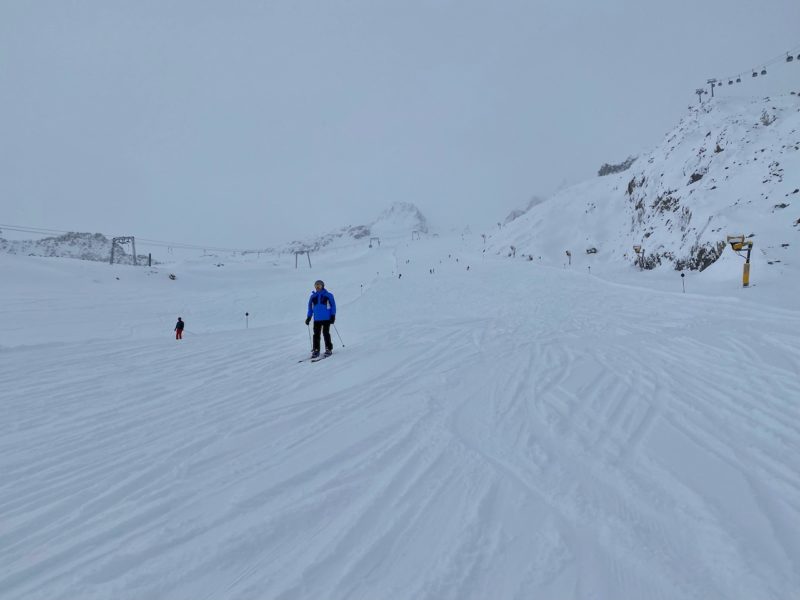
(244, 125)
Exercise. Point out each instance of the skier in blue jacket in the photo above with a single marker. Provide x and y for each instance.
(322, 307)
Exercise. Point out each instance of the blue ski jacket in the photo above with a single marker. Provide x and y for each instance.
(322, 305)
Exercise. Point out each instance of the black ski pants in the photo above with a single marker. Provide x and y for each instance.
(323, 327)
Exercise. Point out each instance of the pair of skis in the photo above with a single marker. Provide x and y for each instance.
(315, 359)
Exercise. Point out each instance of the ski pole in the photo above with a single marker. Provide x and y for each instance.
(310, 343)
(337, 333)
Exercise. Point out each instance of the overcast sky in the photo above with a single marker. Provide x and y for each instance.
(248, 123)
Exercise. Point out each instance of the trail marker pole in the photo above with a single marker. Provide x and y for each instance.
(247, 320)
(683, 282)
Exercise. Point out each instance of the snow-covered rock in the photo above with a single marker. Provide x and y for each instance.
(85, 246)
(730, 167)
(518, 212)
(400, 219)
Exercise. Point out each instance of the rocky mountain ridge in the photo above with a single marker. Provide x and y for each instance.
(399, 219)
(84, 246)
(730, 167)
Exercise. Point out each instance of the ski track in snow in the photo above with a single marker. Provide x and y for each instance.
(504, 436)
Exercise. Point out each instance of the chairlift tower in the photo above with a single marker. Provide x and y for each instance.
(123, 240)
(700, 92)
(308, 255)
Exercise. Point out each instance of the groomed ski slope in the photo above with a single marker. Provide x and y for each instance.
(511, 431)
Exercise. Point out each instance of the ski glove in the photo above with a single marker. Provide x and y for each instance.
(308, 320)
(333, 318)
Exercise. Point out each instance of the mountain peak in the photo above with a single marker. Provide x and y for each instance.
(400, 218)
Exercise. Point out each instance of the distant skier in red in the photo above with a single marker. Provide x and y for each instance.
(179, 329)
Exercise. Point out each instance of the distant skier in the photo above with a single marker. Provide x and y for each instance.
(179, 329)
(322, 307)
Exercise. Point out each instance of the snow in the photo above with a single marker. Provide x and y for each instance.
(514, 430)
(496, 423)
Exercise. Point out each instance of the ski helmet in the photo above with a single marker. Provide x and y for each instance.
(319, 282)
